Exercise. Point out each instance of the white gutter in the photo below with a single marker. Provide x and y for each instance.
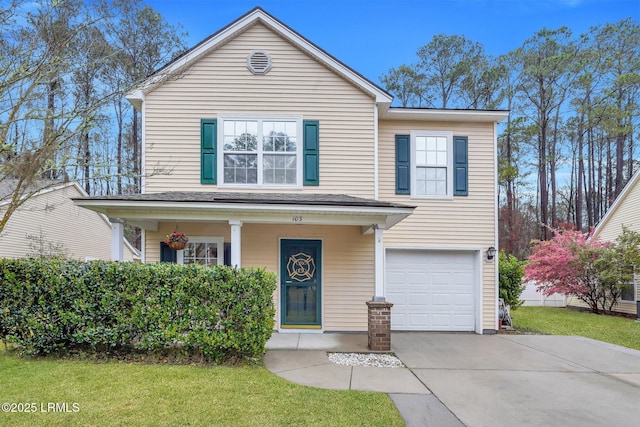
(444, 115)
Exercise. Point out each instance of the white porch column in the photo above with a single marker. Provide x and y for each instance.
(236, 246)
(117, 236)
(379, 264)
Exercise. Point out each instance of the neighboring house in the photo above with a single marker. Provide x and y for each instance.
(625, 211)
(269, 152)
(48, 223)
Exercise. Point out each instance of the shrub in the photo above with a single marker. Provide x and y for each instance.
(55, 305)
(510, 273)
(595, 272)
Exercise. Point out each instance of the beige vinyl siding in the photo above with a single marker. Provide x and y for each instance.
(465, 222)
(347, 264)
(193, 229)
(221, 84)
(627, 307)
(53, 218)
(626, 214)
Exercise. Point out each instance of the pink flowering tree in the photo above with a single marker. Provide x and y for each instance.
(568, 264)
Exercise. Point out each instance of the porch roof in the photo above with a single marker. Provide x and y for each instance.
(146, 210)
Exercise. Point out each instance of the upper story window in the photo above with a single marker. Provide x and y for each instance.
(260, 151)
(432, 157)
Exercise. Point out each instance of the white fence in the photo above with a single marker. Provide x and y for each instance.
(531, 296)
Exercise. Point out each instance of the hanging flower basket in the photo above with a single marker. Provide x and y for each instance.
(176, 240)
(177, 246)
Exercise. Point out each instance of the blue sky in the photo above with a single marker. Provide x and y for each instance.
(373, 35)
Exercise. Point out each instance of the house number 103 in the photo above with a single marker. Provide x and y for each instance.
(296, 219)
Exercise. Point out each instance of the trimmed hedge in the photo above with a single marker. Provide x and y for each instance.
(57, 305)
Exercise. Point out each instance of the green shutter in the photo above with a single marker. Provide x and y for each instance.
(403, 164)
(460, 166)
(167, 254)
(311, 152)
(208, 146)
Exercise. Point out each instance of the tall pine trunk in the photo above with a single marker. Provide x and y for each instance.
(591, 192)
(542, 162)
(85, 162)
(119, 120)
(543, 191)
(510, 202)
(620, 146)
(552, 170)
(579, 199)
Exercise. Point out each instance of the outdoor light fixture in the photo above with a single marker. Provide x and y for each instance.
(491, 252)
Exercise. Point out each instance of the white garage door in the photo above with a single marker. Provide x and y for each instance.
(431, 291)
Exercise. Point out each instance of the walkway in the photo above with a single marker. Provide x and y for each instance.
(477, 380)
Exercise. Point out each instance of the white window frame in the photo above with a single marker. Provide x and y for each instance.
(634, 284)
(219, 241)
(260, 153)
(414, 166)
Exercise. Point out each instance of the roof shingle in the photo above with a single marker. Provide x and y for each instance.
(256, 198)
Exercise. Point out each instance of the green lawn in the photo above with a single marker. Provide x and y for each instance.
(149, 395)
(565, 321)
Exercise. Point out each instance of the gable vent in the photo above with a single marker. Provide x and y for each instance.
(259, 62)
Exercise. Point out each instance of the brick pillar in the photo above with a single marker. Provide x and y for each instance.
(379, 325)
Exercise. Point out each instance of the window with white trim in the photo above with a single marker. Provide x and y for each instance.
(204, 250)
(628, 292)
(260, 152)
(627, 285)
(432, 158)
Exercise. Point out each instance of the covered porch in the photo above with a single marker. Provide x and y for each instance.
(325, 249)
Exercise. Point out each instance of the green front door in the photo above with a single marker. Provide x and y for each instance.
(300, 283)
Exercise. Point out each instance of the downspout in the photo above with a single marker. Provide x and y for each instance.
(143, 246)
(375, 152)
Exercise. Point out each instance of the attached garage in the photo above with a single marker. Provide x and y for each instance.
(432, 290)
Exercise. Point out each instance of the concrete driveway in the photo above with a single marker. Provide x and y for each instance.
(524, 380)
